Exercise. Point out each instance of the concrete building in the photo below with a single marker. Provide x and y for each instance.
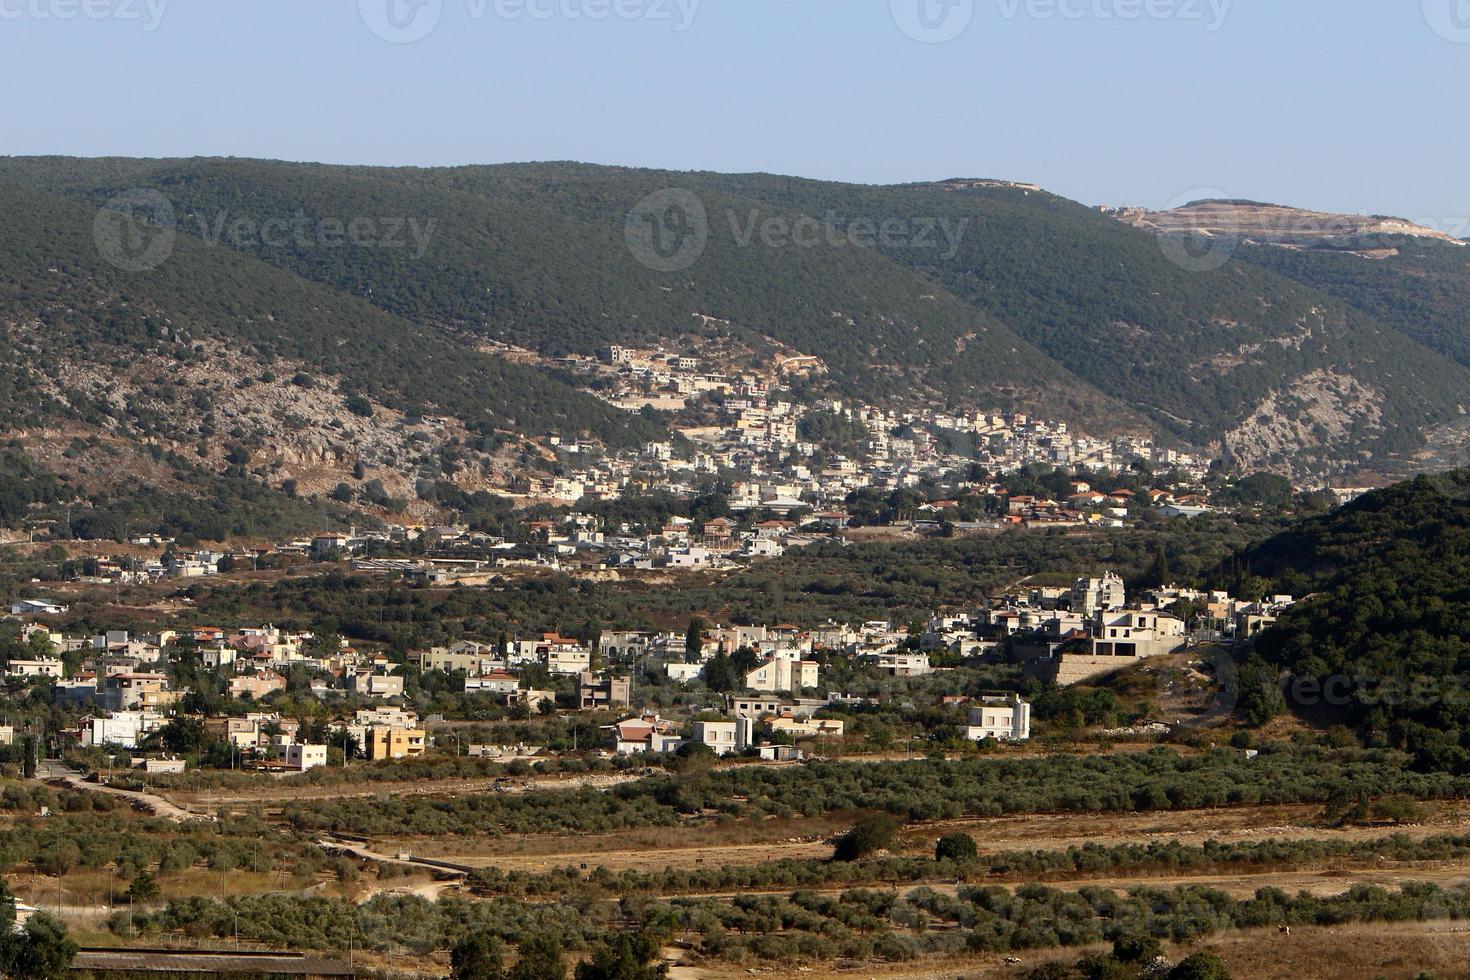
(127, 690)
(782, 674)
(301, 757)
(726, 737)
(1007, 718)
(1094, 595)
(376, 685)
(498, 682)
(598, 693)
(33, 668)
(1137, 633)
(124, 728)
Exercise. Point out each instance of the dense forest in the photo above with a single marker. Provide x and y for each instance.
(1422, 289)
(1382, 642)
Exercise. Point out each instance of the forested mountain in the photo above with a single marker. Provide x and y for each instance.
(536, 257)
(973, 294)
(55, 278)
(1419, 287)
(1279, 374)
(1381, 642)
(157, 381)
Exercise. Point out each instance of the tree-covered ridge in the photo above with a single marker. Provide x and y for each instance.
(1384, 641)
(991, 297)
(1197, 351)
(538, 258)
(1422, 289)
(54, 280)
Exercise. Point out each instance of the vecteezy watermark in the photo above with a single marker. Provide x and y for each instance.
(401, 21)
(832, 231)
(137, 231)
(302, 232)
(933, 21)
(406, 21)
(148, 13)
(1450, 19)
(1212, 14)
(1413, 694)
(134, 231)
(669, 230)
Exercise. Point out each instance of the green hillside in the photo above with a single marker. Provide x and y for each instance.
(1198, 351)
(57, 290)
(990, 296)
(536, 256)
(1423, 291)
(1390, 577)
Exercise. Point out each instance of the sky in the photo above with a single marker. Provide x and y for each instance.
(1345, 105)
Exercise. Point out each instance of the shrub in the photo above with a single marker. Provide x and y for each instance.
(1203, 965)
(872, 833)
(955, 847)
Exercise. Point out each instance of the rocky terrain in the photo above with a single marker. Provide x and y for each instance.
(1272, 224)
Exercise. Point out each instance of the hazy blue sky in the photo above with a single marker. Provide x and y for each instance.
(1338, 104)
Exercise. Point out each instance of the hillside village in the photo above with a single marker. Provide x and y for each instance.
(781, 453)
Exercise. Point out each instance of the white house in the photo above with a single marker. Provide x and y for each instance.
(725, 737)
(568, 660)
(648, 733)
(782, 674)
(683, 673)
(301, 757)
(1093, 595)
(124, 728)
(1137, 633)
(33, 668)
(903, 663)
(499, 682)
(1005, 718)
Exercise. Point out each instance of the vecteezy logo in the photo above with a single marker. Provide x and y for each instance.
(933, 21)
(1449, 18)
(668, 230)
(134, 231)
(401, 21)
(1197, 251)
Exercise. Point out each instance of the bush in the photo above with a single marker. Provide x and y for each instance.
(143, 888)
(1203, 965)
(1136, 949)
(955, 847)
(872, 833)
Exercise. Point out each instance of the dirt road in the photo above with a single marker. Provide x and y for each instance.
(58, 775)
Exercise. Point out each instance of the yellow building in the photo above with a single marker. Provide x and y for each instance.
(385, 742)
